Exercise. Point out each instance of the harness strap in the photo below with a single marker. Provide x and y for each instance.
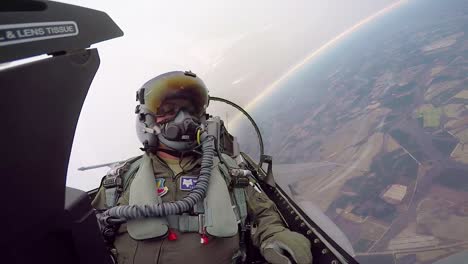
(240, 199)
(113, 182)
(119, 177)
(238, 194)
(113, 185)
(185, 222)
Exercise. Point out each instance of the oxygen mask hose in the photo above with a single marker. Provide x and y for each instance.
(120, 214)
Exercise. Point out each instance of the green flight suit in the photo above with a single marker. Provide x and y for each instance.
(187, 247)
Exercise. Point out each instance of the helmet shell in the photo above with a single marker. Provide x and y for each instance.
(174, 85)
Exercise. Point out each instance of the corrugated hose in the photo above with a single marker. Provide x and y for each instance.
(123, 213)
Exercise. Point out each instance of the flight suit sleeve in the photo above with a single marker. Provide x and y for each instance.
(265, 218)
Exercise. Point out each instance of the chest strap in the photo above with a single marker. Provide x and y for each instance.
(186, 223)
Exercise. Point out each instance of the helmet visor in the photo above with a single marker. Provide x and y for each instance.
(176, 86)
(171, 107)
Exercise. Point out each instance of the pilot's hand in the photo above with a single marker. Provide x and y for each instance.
(286, 245)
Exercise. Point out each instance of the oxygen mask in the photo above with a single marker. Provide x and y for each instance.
(181, 127)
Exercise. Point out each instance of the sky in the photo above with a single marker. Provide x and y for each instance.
(239, 48)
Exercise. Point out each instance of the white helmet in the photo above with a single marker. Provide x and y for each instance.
(178, 133)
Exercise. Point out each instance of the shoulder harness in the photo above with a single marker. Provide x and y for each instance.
(120, 175)
(114, 181)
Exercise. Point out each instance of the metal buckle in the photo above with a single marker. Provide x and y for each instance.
(111, 182)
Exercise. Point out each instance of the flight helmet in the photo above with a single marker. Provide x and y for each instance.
(181, 96)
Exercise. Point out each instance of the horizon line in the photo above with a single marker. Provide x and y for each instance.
(315, 53)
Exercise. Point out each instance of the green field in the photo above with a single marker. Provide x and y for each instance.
(430, 116)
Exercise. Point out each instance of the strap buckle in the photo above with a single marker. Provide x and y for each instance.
(119, 169)
(239, 178)
(112, 182)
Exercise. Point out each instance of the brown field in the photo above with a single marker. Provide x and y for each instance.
(460, 153)
(431, 255)
(454, 110)
(443, 43)
(463, 94)
(438, 88)
(448, 194)
(437, 214)
(372, 230)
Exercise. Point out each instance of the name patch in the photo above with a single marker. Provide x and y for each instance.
(187, 183)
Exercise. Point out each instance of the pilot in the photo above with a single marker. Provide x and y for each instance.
(171, 212)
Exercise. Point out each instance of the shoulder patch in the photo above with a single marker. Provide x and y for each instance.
(160, 188)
